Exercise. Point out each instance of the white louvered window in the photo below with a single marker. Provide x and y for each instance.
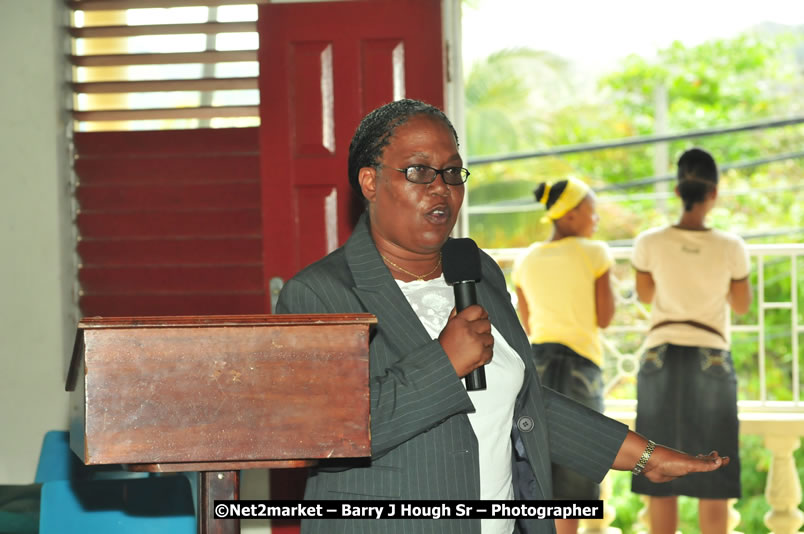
(164, 64)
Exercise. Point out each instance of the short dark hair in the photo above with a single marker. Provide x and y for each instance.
(375, 131)
(697, 176)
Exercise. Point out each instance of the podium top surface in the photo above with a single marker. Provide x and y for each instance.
(203, 321)
(179, 321)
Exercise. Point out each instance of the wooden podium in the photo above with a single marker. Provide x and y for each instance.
(218, 394)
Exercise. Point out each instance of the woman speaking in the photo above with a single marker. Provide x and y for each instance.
(431, 438)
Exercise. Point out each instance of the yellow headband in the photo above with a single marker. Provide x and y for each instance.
(570, 197)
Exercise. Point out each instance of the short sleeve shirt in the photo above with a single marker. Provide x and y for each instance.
(692, 271)
(558, 281)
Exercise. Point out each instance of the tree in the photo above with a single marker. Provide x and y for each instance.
(712, 84)
(504, 114)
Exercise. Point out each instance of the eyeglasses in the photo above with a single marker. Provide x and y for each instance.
(422, 174)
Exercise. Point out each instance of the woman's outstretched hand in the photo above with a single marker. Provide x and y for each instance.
(664, 463)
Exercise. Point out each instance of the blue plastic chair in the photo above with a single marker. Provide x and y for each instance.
(107, 498)
(56, 460)
(154, 505)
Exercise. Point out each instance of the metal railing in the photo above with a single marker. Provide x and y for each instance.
(776, 270)
(642, 140)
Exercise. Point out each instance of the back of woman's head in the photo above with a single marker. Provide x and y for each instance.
(697, 176)
(561, 197)
(548, 195)
(376, 129)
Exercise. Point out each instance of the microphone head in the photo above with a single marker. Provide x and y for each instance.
(460, 261)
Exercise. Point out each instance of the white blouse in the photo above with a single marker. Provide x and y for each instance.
(433, 300)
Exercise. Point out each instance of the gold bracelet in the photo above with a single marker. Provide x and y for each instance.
(643, 460)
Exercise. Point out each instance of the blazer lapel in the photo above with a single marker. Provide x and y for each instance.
(379, 293)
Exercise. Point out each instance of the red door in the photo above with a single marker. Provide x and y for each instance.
(322, 67)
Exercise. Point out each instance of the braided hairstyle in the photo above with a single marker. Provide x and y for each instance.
(376, 129)
(697, 176)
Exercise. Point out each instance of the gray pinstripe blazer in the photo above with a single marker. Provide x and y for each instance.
(423, 446)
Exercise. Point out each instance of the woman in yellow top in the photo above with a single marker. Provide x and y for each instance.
(564, 297)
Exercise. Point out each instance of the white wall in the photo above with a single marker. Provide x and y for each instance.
(36, 273)
(37, 312)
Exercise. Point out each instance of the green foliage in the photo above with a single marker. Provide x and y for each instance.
(520, 100)
(718, 82)
(752, 507)
(501, 113)
(627, 504)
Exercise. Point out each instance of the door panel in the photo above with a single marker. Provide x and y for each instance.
(323, 66)
(382, 72)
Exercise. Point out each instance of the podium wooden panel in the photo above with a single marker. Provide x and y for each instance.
(220, 394)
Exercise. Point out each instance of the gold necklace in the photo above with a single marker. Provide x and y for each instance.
(414, 275)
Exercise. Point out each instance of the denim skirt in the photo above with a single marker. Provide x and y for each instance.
(564, 370)
(687, 400)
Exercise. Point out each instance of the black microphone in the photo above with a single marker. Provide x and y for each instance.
(460, 261)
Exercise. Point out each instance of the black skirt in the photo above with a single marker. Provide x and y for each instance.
(687, 400)
(563, 370)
